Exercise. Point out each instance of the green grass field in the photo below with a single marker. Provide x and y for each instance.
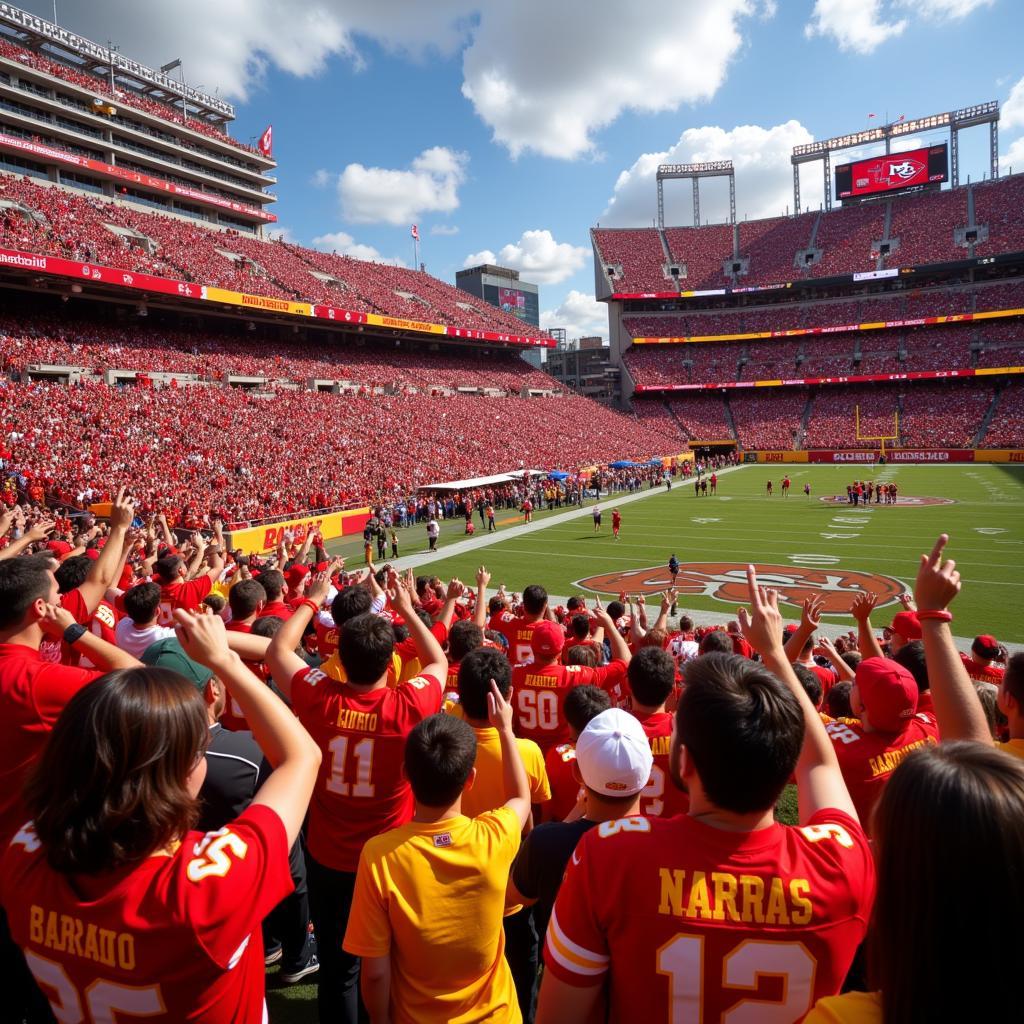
(796, 536)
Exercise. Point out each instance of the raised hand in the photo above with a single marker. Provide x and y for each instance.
(810, 614)
(55, 620)
(862, 607)
(499, 710)
(483, 577)
(937, 581)
(122, 510)
(203, 637)
(762, 624)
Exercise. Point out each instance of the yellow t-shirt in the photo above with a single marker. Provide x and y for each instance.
(1014, 747)
(432, 896)
(852, 1008)
(488, 789)
(333, 668)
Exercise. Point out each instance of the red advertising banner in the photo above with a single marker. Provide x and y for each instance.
(894, 455)
(863, 378)
(95, 273)
(62, 156)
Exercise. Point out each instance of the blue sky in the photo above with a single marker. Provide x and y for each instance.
(510, 129)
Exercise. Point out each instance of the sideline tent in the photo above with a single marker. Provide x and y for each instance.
(557, 474)
(481, 481)
(621, 464)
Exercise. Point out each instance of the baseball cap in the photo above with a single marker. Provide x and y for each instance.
(296, 574)
(168, 653)
(907, 624)
(888, 692)
(614, 754)
(548, 639)
(985, 646)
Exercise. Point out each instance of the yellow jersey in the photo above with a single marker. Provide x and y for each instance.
(852, 1008)
(488, 790)
(431, 895)
(1012, 747)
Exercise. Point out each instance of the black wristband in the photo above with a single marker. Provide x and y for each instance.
(73, 633)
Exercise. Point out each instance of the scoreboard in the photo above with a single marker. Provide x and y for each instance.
(893, 172)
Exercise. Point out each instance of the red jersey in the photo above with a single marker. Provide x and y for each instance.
(276, 608)
(451, 683)
(616, 520)
(662, 798)
(687, 922)
(33, 693)
(360, 790)
(101, 623)
(175, 938)
(565, 789)
(326, 635)
(982, 673)
(540, 692)
(518, 632)
(182, 595)
(867, 759)
(233, 719)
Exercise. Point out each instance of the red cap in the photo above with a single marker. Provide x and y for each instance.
(908, 625)
(888, 692)
(986, 646)
(296, 574)
(547, 640)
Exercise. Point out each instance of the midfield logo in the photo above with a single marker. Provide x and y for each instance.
(727, 582)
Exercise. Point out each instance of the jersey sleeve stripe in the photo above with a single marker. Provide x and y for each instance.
(572, 956)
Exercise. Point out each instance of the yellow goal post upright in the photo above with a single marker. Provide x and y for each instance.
(880, 438)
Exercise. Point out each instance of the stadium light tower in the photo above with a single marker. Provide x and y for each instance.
(954, 120)
(711, 169)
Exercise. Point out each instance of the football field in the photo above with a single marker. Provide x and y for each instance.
(817, 545)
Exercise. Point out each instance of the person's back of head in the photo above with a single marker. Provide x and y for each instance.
(349, 603)
(616, 609)
(716, 642)
(651, 674)
(535, 599)
(685, 624)
(583, 655)
(810, 682)
(837, 700)
(365, 646)
(947, 813)
(168, 568)
(112, 785)
(476, 670)
(23, 581)
(911, 657)
(582, 703)
(245, 598)
(1011, 693)
(142, 602)
(272, 582)
(267, 626)
(463, 637)
(439, 756)
(742, 730)
(579, 626)
(71, 573)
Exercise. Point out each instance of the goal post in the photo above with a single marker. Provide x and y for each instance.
(880, 438)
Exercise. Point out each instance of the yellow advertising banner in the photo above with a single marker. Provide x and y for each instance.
(266, 302)
(260, 539)
(404, 325)
(999, 455)
(780, 456)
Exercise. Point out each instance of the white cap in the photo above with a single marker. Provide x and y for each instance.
(614, 754)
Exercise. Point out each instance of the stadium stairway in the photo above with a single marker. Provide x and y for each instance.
(990, 413)
(730, 420)
(798, 441)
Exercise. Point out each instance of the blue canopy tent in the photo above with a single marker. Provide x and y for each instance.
(621, 464)
(557, 474)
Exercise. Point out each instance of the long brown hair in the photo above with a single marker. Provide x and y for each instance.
(944, 942)
(111, 786)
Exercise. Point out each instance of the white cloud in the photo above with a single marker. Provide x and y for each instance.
(944, 10)
(537, 256)
(580, 314)
(444, 229)
(390, 196)
(282, 234)
(546, 82)
(857, 25)
(764, 175)
(1013, 157)
(321, 178)
(769, 8)
(345, 245)
(1012, 113)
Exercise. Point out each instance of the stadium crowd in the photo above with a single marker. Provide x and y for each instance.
(414, 793)
(54, 221)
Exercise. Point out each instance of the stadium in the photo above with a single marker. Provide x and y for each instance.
(276, 435)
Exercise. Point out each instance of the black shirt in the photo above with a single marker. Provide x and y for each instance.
(235, 770)
(540, 864)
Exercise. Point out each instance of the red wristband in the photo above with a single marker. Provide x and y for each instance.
(307, 603)
(937, 614)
